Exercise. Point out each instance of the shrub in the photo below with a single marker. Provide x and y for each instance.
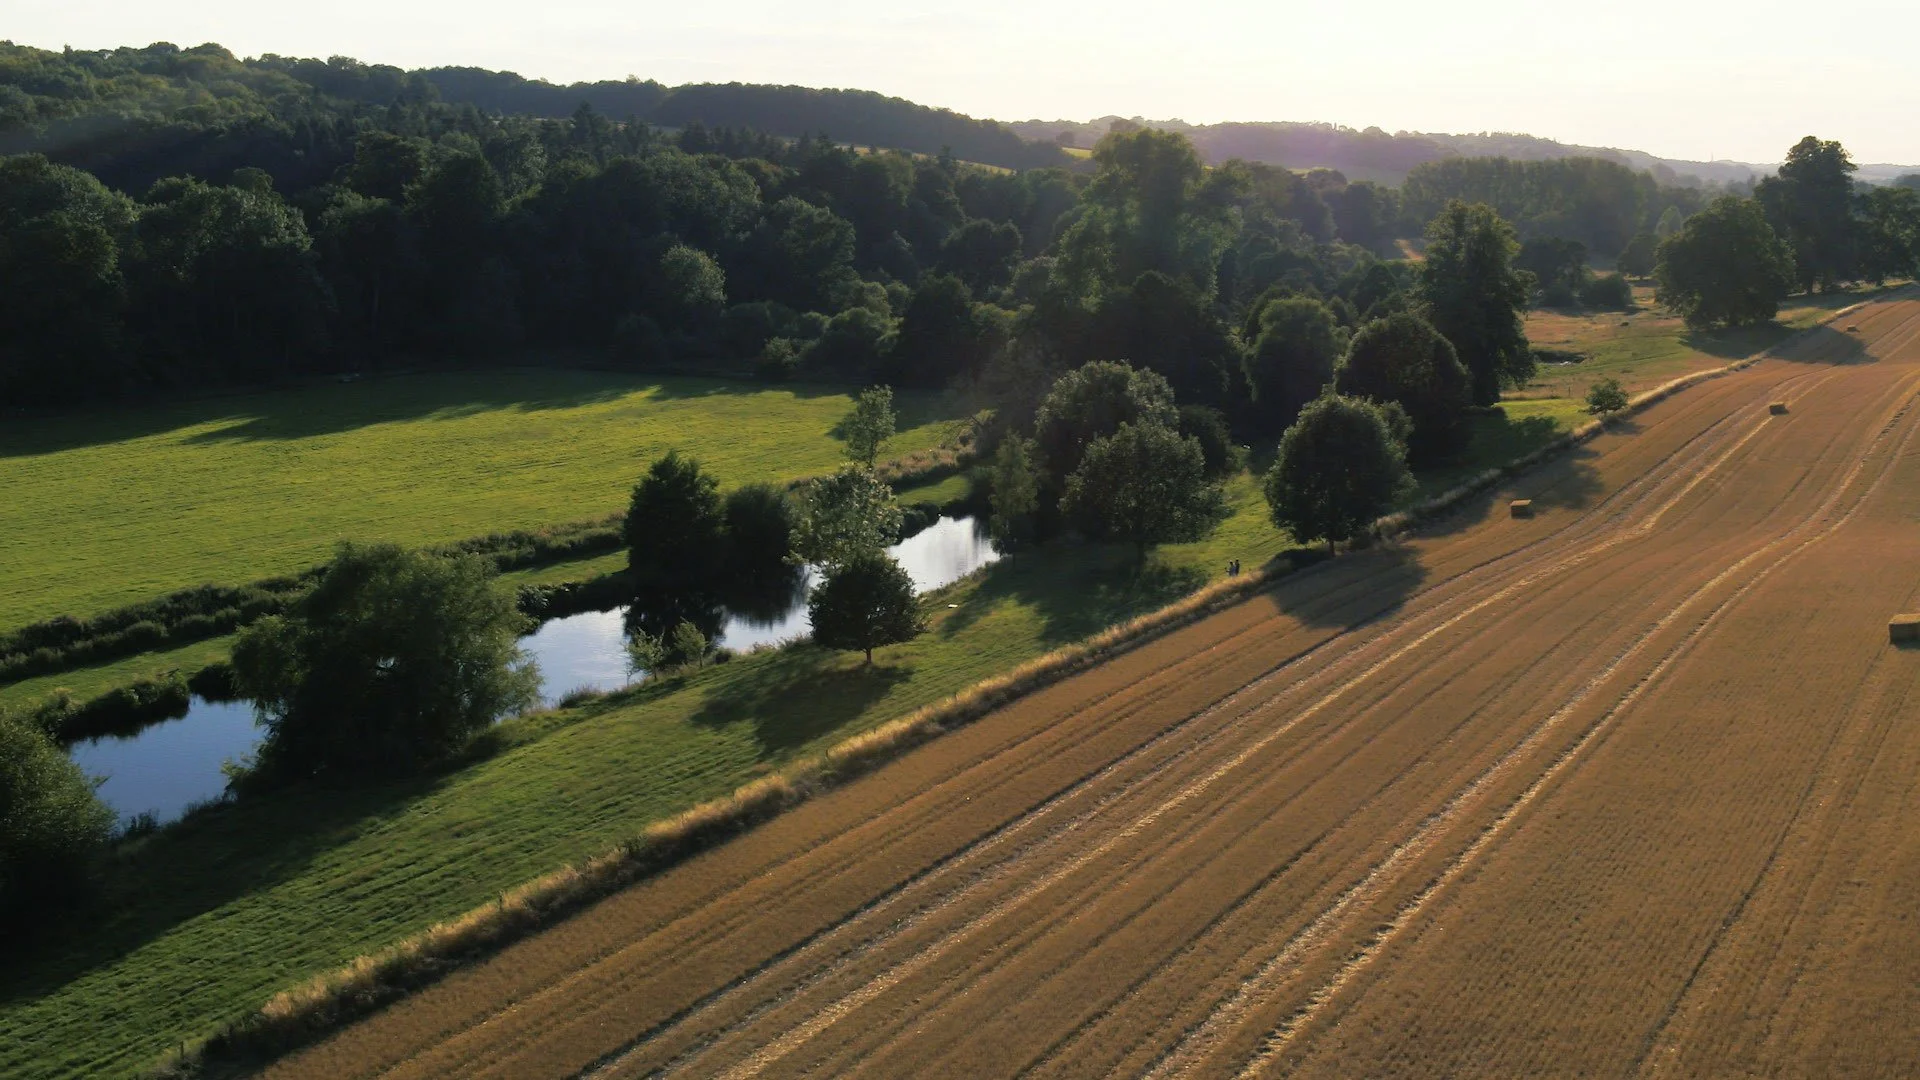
(778, 360)
(1208, 426)
(215, 682)
(51, 823)
(1609, 292)
(1606, 396)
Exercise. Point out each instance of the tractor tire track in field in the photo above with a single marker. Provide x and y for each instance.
(1201, 857)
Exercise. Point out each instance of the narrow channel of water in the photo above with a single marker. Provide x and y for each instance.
(169, 766)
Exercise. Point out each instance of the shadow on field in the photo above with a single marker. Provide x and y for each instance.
(1350, 591)
(798, 694)
(1568, 481)
(192, 869)
(1079, 596)
(1828, 344)
(328, 407)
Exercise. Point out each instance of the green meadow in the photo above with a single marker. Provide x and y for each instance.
(109, 507)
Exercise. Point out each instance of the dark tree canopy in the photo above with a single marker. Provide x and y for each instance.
(1475, 297)
(1404, 360)
(1810, 206)
(676, 539)
(1291, 361)
(1339, 469)
(51, 825)
(1725, 267)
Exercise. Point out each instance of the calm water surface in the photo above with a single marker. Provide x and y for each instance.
(167, 767)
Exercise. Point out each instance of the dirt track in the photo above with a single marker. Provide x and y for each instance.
(1629, 788)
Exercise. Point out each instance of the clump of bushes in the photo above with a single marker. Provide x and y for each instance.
(1606, 397)
(179, 618)
(120, 711)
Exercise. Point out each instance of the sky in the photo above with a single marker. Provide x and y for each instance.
(1688, 79)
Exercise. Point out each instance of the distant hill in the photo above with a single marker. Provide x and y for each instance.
(1376, 155)
(859, 117)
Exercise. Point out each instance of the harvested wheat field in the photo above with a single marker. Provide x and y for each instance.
(1626, 788)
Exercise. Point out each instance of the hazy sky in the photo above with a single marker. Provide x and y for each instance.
(1683, 78)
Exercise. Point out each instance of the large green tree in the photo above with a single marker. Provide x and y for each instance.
(676, 539)
(393, 661)
(1291, 361)
(1339, 468)
(1091, 402)
(1145, 484)
(864, 603)
(1476, 298)
(843, 516)
(1725, 267)
(1810, 205)
(1404, 360)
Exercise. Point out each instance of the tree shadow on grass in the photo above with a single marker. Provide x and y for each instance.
(1077, 591)
(327, 406)
(798, 694)
(1824, 344)
(195, 867)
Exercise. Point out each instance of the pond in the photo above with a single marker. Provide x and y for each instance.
(169, 766)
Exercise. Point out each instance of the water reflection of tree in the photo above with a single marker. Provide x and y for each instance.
(767, 596)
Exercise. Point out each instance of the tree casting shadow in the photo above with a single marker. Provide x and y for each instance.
(797, 695)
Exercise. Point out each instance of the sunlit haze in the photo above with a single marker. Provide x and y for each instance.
(1690, 79)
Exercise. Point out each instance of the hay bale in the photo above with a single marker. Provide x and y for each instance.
(1778, 408)
(1851, 329)
(1904, 630)
(1521, 508)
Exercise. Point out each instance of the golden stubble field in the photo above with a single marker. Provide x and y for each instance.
(1626, 789)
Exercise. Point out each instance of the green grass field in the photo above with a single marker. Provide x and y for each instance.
(111, 507)
(224, 910)
(1646, 347)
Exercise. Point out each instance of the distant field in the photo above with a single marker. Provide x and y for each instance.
(112, 506)
(1646, 347)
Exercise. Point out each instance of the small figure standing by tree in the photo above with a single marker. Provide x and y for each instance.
(865, 603)
(868, 427)
(1340, 467)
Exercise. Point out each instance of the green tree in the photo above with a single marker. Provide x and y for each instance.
(1636, 259)
(864, 603)
(1091, 402)
(981, 253)
(1015, 493)
(394, 660)
(1725, 267)
(1670, 221)
(1558, 266)
(51, 823)
(1291, 361)
(689, 291)
(1339, 469)
(1810, 205)
(868, 427)
(1404, 360)
(1147, 208)
(759, 525)
(1475, 297)
(1143, 484)
(1890, 233)
(843, 516)
(676, 539)
(1605, 397)
(941, 335)
(853, 345)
